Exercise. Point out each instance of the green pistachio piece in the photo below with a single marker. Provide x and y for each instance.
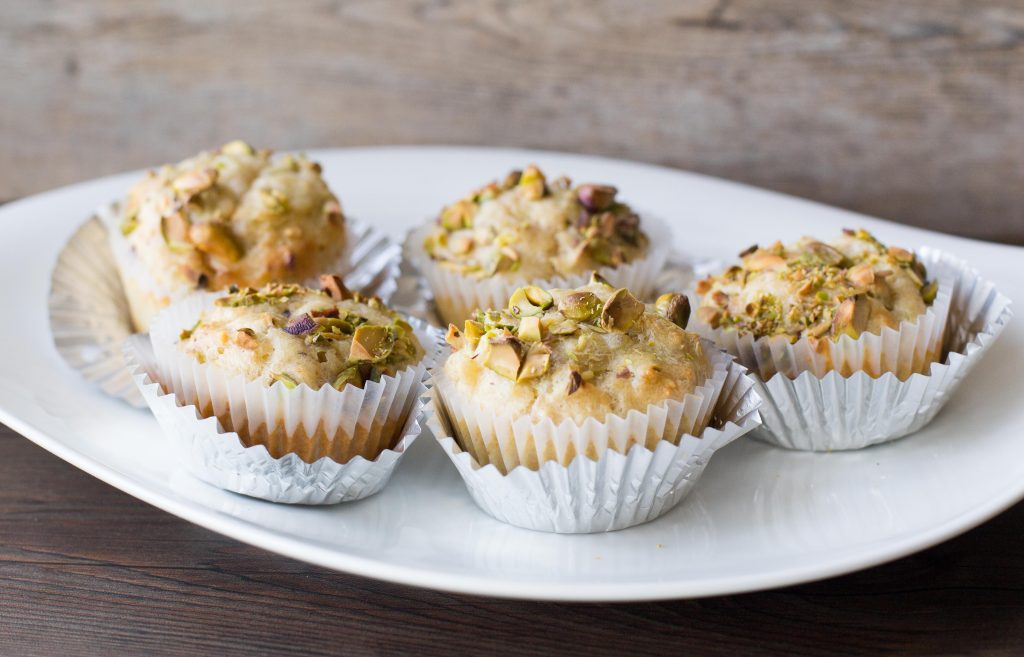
(372, 343)
(851, 317)
(532, 182)
(274, 201)
(458, 215)
(288, 381)
(454, 337)
(175, 230)
(536, 362)
(193, 182)
(674, 307)
(598, 278)
(825, 253)
(187, 333)
(348, 376)
(929, 291)
(472, 332)
(129, 223)
(529, 300)
(596, 198)
(575, 382)
(503, 355)
(901, 255)
(529, 329)
(238, 147)
(217, 240)
(580, 306)
(511, 180)
(621, 311)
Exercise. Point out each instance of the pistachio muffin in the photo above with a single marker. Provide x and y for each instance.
(849, 286)
(231, 216)
(569, 356)
(527, 229)
(297, 335)
(290, 367)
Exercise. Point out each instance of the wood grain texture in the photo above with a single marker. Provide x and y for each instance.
(909, 110)
(88, 570)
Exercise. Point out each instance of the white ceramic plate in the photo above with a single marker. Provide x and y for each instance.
(761, 516)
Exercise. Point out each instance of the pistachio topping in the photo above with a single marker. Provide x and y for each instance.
(536, 362)
(372, 343)
(175, 230)
(288, 381)
(816, 289)
(529, 329)
(536, 228)
(620, 311)
(580, 306)
(217, 240)
(575, 381)
(596, 198)
(530, 300)
(503, 355)
(334, 286)
(675, 308)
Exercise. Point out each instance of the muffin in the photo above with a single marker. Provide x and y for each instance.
(583, 409)
(570, 356)
(232, 216)
(316, 373)
(527, 229)
(845, 338)
(815, 294)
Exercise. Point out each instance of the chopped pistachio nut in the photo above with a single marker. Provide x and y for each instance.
(533, 183)
(274, 201)
(580, 306)
(217, 240)
(502, 354)
(529, 329)
(620, 311)
(287, 380)
(372, 343)
(675, 308)
(175, 229)
(536, 362)
(530, 300)
(348, 376)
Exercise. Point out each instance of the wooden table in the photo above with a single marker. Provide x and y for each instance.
(88, 570)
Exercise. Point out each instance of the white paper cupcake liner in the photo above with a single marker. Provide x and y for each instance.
(89, 312)
(909, 348)
(456, 296)
(340, 424)
(507, 441)
(841, 412)
(610, 490)
(220, 458)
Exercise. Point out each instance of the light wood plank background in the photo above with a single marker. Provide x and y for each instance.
(910, 110)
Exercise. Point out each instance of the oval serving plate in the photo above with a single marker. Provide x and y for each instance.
(760, 517)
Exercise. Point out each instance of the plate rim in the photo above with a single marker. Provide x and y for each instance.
(311, 551)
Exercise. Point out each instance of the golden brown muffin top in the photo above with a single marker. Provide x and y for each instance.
(295, 334)
(851, 285)
(528, 228)
(234, 216)
(576, 354)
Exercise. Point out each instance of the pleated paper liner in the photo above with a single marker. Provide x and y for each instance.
(886, 386)
(221, 458)
(606, 489)
(456, 296)
(89, 313)
(507, 441)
